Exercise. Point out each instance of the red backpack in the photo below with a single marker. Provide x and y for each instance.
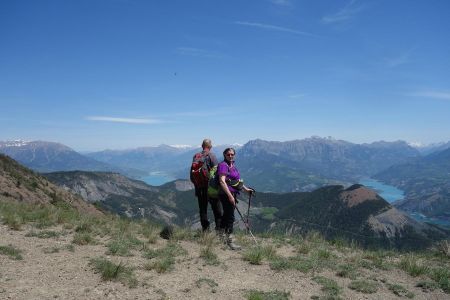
(200, 170)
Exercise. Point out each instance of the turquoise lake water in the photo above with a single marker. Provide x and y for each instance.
(391, 193)
(157, 178)
(387, 192)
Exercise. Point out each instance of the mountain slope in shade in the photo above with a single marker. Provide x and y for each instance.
(172, 203)
(22, 184)
(426, 183)
(44, 156)
(356, 213)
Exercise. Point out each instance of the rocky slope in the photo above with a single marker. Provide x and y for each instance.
(19, 183)
(172, 203)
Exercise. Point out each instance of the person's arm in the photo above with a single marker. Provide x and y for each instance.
(224, 186)
(248, 190)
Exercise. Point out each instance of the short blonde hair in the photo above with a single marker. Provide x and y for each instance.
(207, 144)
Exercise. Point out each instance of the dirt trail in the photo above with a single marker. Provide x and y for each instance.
(67, 274)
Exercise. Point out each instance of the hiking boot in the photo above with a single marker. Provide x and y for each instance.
(221, 236)
(232, 243)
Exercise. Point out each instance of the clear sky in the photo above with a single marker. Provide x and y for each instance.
(97, 74)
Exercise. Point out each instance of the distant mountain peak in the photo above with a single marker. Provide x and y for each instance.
(417, 144)
(182, 146)
(14, 143)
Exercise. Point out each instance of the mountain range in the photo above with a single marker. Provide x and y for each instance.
(43, 156)
(171, 160)
(426, 182)
(304, 165)
(299, 165)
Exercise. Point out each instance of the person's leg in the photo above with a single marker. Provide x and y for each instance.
(202, 196)
(227, 222)
(228, 214)
(216, 207)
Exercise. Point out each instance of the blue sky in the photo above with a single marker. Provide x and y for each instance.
(97, 74)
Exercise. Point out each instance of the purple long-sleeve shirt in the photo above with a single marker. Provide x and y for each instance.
(231, 173)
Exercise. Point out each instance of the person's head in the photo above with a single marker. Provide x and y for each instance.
(207, 144)
(228, 154)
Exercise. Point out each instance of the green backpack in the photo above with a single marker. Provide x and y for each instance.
(214, 186)
(213, 183)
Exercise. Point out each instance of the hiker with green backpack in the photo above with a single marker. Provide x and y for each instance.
(202, 164)
(230, 184)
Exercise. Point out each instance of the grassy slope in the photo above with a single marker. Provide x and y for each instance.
(127, 259)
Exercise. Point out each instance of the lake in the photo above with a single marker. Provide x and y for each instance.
(387, 192)
(157, 178)
(391, 193)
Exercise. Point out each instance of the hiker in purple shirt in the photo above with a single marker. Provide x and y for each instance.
(230, 185)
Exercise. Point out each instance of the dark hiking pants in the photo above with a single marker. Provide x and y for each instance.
(228, 214)
(202, 196)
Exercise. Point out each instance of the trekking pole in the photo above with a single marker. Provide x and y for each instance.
(248, 209)
(246, 225)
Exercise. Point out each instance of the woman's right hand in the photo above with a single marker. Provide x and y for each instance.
(232, 201)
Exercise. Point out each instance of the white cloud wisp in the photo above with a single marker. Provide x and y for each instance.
(272, 27)
(345, 14)
(431, 94)
(123, 120)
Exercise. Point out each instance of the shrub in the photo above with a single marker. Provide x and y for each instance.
(118, 247)
(400, 291)
(182, 234)
(363, 286)
(442, 277)
(13, 220)
(164, 258)
(253, 255)
(376, 259)
(210, 282)
(427, 286)
(346, 271)
(83, 238)
(329, 286)
(114, 272)
(207, 253)
(150, 232)
(293, 263)
(12, 252)
(271, 295)
(304, 248)
(410, 265)
(44, 234)
(122, 245)
(161, 265)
